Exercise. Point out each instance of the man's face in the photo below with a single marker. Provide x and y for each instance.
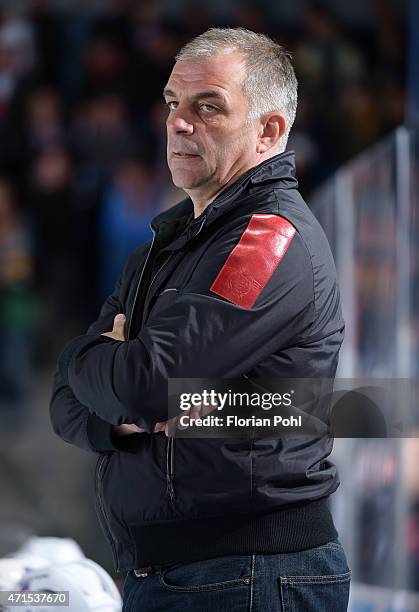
(209, 141)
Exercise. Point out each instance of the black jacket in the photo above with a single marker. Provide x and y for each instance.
(247, 288)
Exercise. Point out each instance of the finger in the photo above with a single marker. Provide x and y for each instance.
(195, 412)
(202, 410)
(127, 429)
(132, 427)
(118, 327)
(118, 323)
(185, 421)
(207, 408)
(136, 428)
(171, 426)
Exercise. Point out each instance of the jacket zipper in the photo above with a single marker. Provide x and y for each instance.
(170, 446)
(103, 519)
(170, 472)
(152, 281)
(170, 440)
(169, 455)
(138, 285)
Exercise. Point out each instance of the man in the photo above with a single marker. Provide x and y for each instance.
(238, 282)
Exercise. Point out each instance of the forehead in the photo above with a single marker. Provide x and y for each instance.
(224, 72)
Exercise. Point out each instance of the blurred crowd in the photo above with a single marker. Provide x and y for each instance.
(82, 131)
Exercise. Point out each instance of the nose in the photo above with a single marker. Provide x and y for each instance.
(180, 124)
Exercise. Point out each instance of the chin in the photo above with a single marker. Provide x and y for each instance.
(183, 181)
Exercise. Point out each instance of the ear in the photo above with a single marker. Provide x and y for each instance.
(272, 128)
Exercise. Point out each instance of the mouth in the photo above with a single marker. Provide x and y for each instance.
(181, 155)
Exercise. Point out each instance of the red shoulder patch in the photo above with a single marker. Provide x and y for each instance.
(253, 260)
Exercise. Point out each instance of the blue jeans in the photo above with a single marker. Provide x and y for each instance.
(313, 580)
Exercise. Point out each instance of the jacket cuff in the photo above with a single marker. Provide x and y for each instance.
(101, 438)
(99, 433)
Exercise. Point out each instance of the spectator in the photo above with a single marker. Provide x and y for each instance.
(63, 241)
(129, 204)
(16, 305)
(45, 126)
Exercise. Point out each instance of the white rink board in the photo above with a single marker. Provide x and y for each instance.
(366, 598)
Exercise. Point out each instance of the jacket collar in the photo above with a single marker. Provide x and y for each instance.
(280, 168)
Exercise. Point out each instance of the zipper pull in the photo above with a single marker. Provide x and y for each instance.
(169, 488)
(169, 468)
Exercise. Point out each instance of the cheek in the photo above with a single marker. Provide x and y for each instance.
(237, 145)
(224, 145)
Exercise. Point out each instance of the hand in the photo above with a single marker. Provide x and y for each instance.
(118, 328)
(169, 427)
(126, 429)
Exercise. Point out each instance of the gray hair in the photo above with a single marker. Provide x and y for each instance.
(270, 83)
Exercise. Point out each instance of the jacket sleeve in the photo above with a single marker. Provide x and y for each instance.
(199, 335)
(71, 420)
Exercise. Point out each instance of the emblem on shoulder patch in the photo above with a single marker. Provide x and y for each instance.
(253, 260)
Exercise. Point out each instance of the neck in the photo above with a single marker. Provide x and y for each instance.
(202, 200)
(202, 197)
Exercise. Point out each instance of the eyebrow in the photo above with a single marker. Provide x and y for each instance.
(202, 94)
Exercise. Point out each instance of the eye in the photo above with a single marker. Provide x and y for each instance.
(208, 108)
(172, 104)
